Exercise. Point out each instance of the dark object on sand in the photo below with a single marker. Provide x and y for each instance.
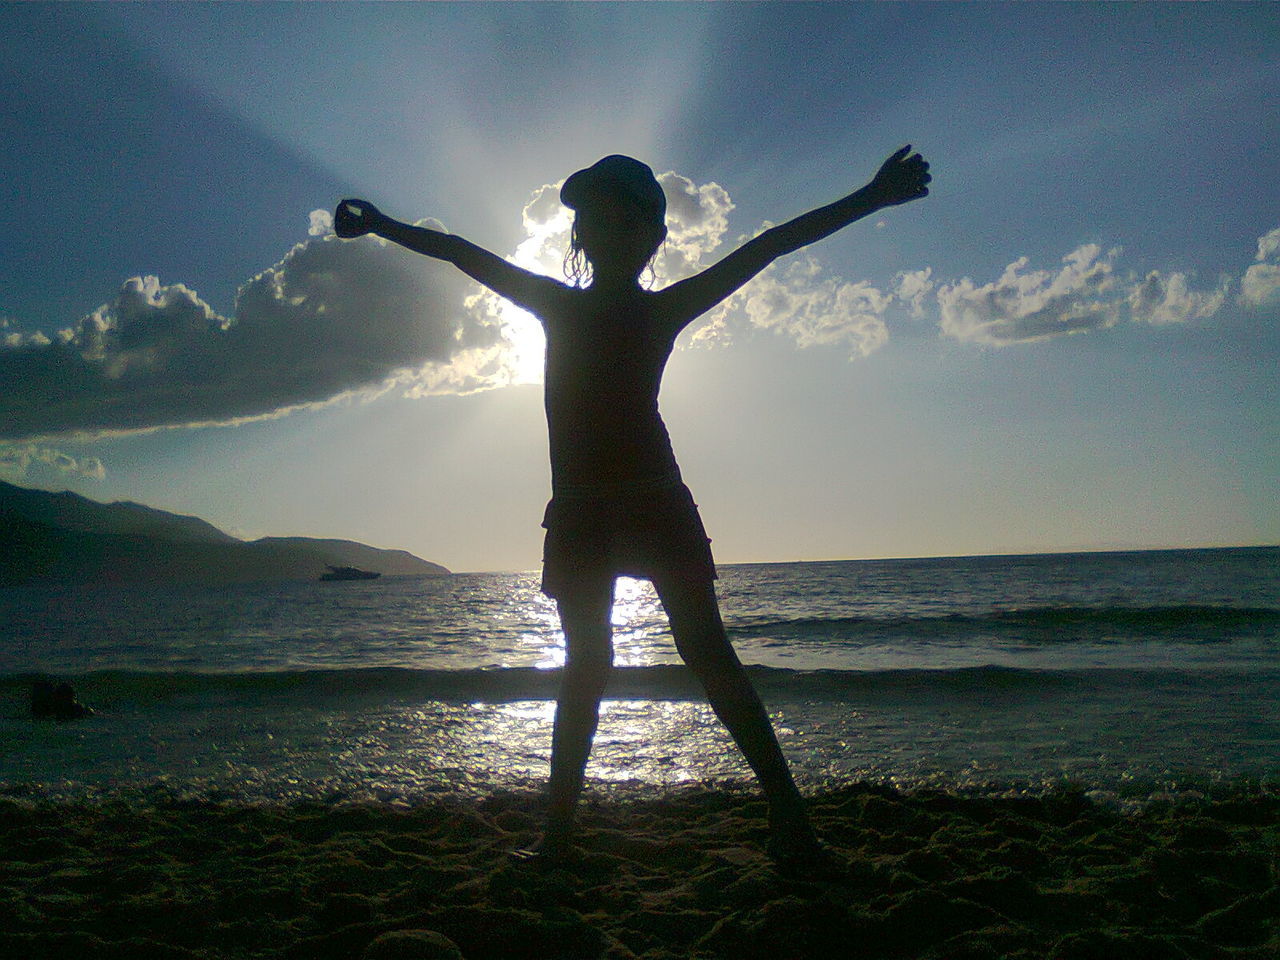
(349, 573)
(49, 702)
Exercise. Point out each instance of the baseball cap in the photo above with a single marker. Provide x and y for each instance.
(616, 175)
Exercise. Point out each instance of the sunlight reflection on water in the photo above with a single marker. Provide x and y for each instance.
(639, 628)
(443, 747)
(638, 622)
(1115, 669)
(280, 751)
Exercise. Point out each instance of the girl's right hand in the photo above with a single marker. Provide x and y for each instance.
(355, 218)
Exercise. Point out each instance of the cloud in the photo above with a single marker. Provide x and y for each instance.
(697, 218)
(1165, 298)
(17, 339)
(321, 223)
(19, 461)
(1086, 293)
(335, 318)
(1022, 306)
(547, 225)
(799, 300)
(914, 287)
(331, 318)
(1269, 246)
(796, 298)
(1261, 282)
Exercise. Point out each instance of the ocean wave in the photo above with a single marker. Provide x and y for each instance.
(123, 689)
(1187, 623)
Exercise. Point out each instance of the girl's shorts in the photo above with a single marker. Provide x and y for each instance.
(643, 534)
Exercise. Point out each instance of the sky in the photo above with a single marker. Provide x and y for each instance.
(1072, 343)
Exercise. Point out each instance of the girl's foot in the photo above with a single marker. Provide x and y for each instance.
(796, 849)
(555, 847)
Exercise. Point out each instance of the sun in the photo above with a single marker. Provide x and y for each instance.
(527, 344)
(547, 227)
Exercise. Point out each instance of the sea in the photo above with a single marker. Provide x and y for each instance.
(1128, 675)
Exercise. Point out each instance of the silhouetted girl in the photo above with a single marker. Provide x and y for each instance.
(618, 504)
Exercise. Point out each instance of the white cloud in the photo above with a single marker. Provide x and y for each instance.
(795, 298)
(697, 218)
(547, 224)
(469, 371)
(1089, 293)
(321, 223)
(1023, 306)
(914, 287)
(1269, 246)
(331, 318)
(1260, 284)
(36, 339)
(1165, 298)
(19, 461)
(337, 317)
(798, 299)
(17, 339)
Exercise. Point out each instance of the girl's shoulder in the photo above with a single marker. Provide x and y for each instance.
(586, 301)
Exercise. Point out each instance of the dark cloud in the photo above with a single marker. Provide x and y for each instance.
(332, 317)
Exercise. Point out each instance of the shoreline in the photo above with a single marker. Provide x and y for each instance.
(930, 874)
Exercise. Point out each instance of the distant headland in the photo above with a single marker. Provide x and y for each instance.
(66, 538)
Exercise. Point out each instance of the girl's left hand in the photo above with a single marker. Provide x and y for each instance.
(902, 178)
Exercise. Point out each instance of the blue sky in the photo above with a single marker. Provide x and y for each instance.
(1071, 343)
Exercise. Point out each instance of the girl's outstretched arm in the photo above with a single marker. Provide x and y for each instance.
(355, 218)
(901, 178)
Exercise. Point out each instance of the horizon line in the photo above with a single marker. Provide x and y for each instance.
(1081, 551)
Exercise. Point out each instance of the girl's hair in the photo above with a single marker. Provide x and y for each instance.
(577, 268)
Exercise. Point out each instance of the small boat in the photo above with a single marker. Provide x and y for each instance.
(349, 573)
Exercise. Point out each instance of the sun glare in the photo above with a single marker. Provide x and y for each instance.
(547, 226)
(527, 343)
(635, 606)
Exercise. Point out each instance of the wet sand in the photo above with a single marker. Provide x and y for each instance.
(929, 875)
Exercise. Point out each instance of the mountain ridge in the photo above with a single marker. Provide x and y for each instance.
(64, 537)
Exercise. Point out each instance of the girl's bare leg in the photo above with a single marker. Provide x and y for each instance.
(585, 615)
(700, 638)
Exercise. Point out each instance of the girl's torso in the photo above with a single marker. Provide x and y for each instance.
(604, 364)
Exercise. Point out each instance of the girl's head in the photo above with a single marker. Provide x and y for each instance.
(620, 218)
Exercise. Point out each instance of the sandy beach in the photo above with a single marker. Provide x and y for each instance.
(929, 875)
